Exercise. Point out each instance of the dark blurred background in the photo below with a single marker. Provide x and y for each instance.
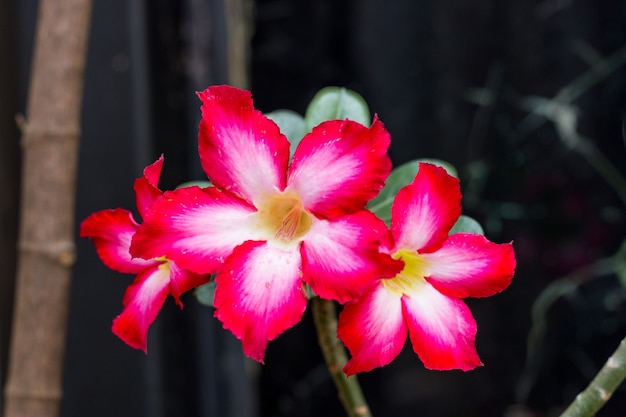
(526, 98)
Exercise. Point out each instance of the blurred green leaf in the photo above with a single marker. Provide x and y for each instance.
(466, 224)
(291, 124)
(336, 103)
(450, 169)
(400, 177)
(205, 294)
(308, 291)
(201, 184)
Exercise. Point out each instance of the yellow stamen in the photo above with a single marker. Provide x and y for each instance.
(284, 217)
(411, 278)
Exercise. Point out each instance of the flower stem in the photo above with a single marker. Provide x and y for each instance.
(349, 390)
(589, 401)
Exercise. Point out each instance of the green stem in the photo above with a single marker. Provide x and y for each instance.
(588, 402)
(350, 393)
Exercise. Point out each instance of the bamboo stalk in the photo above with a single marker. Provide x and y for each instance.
(50, 138)
(239, 28)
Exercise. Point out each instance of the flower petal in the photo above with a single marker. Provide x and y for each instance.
(340, 166)
(111, 232)
(182, 281)
(195, 228)
(259, 294)
(142, 302)
(468, 265)
(424, 211)
(442, 329)
(146, 187)
(372, 329)
(241, 150)
(341, 260)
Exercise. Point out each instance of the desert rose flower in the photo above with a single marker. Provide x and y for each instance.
(270, 225)
(425, 298)
(111, 231)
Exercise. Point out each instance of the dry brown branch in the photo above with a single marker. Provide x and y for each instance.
(50, 137)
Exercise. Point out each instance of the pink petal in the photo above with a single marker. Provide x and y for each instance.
(259, 294)
(442, 329)
(341, 257)
(142, 302)
(424, 211)
(182, 281)
(146, 187)
(111, 232)
(241, 150)
(340, 166)
(372, 329)
(468, 265)
(195, 228)
(152, 172)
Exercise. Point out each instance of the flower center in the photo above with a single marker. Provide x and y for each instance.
(164, 264)
(411, 278)
(284, 217)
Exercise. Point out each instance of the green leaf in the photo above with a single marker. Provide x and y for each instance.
(308, 291)
(205, 294)
(201, 184)
(291, 124)
(466, 224)
(336, 103)
(400, 177)
(443, 164)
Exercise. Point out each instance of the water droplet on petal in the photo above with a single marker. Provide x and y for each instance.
(268, 285)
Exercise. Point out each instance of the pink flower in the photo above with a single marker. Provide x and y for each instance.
(424, 299)
(111, 231)
(269, 226)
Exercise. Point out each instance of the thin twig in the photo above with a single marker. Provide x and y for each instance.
(565, 119)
